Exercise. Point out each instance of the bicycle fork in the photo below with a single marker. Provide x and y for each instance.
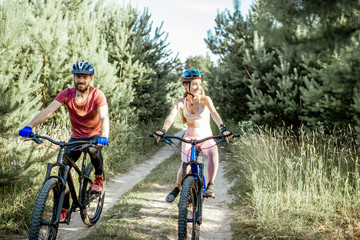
(197, 170)
(63, 170)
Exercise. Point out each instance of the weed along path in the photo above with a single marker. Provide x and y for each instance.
(135, 206)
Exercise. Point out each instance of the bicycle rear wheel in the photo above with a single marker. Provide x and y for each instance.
(94, 202)
(188, 227)
(43, 223)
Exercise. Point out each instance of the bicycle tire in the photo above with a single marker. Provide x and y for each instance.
(188, 227)
(45, 211)
(90, 214)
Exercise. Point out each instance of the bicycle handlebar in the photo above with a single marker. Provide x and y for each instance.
(166, 138)
(36, 138)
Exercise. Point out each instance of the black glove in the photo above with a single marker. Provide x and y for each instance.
(160, 130)
(224, 129)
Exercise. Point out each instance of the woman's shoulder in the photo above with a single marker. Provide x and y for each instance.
(205, 99)
(180, 100)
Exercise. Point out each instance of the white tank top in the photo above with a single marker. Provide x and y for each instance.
(202, 117)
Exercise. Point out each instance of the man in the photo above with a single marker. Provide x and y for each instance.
(88, 110)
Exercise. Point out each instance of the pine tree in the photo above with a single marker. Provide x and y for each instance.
(202, 63)
(19, 87)
(88, 43)
(47, 48)
(229, 80)
(327, 23)
(142, 61)
(329, 96)
(19, 95)
(324, 36)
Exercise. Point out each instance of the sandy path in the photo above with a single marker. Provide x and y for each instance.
(216, 224)
(216, 217)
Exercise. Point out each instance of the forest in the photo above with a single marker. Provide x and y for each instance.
(287, 78)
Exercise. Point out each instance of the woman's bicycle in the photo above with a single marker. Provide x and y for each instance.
(193, 188)
(46, 216)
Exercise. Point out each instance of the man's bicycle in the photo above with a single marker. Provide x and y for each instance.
(193, 188)
(46, 216)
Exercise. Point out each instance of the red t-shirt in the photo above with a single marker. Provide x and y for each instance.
(84, 117)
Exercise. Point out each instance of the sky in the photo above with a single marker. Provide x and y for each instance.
(187, 22)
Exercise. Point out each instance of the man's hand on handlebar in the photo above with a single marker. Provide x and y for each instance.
(103, 141)
(26, 132)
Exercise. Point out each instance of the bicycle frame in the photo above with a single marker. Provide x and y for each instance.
(65, 176)
(197, 171)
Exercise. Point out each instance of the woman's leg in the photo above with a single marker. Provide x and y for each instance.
(211, 151)
(213, 165)
(179, 176)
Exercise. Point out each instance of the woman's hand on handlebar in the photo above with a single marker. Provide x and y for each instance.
(228, 135)
(225, 133)
(158, 134)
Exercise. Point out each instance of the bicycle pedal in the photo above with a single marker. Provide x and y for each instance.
(210, 197)
(95, 193)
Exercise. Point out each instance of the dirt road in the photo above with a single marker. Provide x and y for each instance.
(216, 222)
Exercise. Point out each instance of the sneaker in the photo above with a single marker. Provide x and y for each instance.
(209, 193)
(172, 195)
(64, 214)
(97, 185)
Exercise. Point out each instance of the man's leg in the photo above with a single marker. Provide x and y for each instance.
(97, 161)
(74, 154)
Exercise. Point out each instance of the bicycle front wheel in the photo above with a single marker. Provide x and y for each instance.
(43, 223)
(93, 202)
(188, 227)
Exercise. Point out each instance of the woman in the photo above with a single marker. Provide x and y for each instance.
(196, 108)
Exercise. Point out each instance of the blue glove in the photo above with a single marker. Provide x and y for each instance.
(102, 141)
(26, 131)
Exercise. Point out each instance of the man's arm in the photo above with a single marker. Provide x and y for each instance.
(104, 118)
(45, 113)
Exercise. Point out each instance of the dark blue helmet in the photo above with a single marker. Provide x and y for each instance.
(83, 67)
(191, 74)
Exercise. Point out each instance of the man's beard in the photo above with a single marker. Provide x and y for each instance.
(82, 87)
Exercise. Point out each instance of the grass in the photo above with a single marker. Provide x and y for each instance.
(295, 186)
(132, 217)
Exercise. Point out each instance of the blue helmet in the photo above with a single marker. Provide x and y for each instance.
(191, 74)
(83, 67)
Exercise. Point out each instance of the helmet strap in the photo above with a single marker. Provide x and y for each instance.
(188, 91)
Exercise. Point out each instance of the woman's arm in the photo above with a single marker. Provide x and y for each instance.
(214, 114)
(179, 104)
(217, 119)
(174, 111)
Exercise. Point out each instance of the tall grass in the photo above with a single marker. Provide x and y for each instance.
(301, 185)
(23, 166)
